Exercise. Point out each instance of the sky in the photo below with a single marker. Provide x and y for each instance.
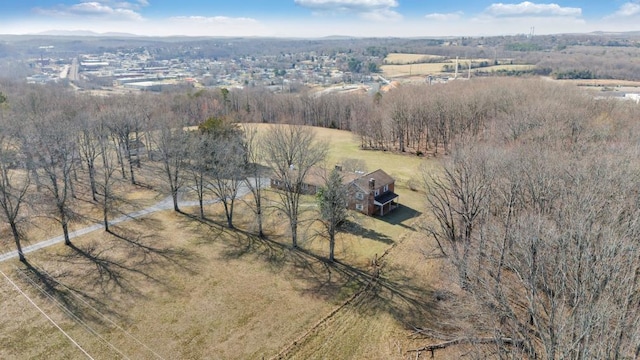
(319, 18)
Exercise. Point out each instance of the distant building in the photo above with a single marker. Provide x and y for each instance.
(633, 97)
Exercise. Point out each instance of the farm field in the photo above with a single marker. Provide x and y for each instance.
(404, 58)
(173, 287)
(394, 71)
(407, 65)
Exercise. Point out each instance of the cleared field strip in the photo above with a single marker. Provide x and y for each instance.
(437, 68)
(404, 64)
(403, 59)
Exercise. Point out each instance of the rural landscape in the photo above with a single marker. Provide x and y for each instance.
(338, 198)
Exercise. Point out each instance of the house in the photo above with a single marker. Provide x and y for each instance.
(372, 194)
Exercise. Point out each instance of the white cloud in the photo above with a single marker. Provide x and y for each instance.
(213, 20)
(377, 10)
(528, 8)
(445, 17)
(357, 5)
(381, 15)
(627, 10)
(121, 10)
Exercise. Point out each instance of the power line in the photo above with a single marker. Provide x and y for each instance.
(101, 314)
(74, 316)
(47, 316)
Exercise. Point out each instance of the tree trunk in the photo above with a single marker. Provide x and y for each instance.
(294, 233)
(118, 145)
(130, 161)
(174, 197)
(259, 218)
(229, 214)
(16, 237)
(332, 245)
(65, 231)
(105, 213)
(92, 180)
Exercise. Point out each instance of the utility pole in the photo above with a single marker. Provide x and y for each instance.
(455, 76)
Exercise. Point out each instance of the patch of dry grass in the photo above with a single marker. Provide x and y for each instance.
(190, 289)
(404, 58)
(423, 69)
(437, 68)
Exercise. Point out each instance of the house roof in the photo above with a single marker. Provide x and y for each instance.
(385, 198)
(316, 176)
(380, 177)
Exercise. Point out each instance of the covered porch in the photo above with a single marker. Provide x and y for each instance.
(385, 203)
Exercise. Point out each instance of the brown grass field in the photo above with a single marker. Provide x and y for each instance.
(404, 58)
(402, 65)
(395, 71)
(173, 287)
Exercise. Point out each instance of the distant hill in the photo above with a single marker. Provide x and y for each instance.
(616, 33)
(85, 33)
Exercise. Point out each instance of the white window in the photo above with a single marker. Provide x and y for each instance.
(359, 207)
(376, 193)
(386, 188)
(359, 196)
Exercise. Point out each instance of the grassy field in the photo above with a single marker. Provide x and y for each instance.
(403, 58)
(171, 286)
(405, 65)
(425, 69)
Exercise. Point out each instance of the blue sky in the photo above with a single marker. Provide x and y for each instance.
(317, 18)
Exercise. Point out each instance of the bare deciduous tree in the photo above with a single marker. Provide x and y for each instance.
(332, 200)
(14, 180)
(89, 147)
(458, 200)
(53, 143)
(291, 151)
(108, 155)
(543, 226)
(254, 175)
(227, 170)
(171, 142)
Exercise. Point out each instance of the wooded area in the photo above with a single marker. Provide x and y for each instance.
(539, 215)
(536, 208)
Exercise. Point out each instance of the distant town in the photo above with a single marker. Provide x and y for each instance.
(103, 65)
(140, 70)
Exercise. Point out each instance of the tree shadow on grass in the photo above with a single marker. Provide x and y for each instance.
(319, 277)
(389, 289)
(354, 228)
(108, 273)
(140, 246)
(411, 304)
(72, 301)
(272, 252)
(383, 289)
(210, 230)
